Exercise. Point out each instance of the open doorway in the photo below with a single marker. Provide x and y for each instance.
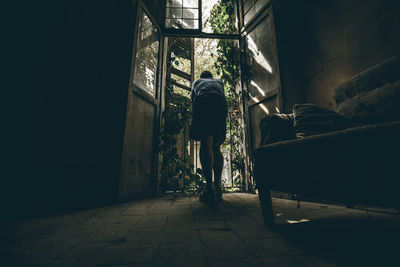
(186, 59)
(192, 36)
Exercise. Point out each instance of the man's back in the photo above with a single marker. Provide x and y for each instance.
(205, 86)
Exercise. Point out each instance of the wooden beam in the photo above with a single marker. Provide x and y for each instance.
(183, 43)
(181, 85)
(196, 34)
(182, 74)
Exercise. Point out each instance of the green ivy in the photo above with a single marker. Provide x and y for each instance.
(227, 64)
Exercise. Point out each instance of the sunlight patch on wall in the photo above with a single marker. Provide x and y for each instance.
(258, 88)
(257, 55)
(262, 106)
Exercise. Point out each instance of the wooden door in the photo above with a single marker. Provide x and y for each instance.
(139, 160)
(263, 84)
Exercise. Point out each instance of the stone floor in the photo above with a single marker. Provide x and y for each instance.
(181, 231)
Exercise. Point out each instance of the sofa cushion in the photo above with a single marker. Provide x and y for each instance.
(310, 119)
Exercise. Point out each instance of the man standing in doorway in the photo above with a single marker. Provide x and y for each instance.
(209, 126)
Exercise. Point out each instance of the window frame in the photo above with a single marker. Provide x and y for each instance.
(198, 33)
(187, 31)
(137, 88)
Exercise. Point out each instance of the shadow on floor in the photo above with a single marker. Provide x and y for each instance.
(347, 241)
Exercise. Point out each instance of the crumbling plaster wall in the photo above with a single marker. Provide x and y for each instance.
(321, 44)
(345, 38)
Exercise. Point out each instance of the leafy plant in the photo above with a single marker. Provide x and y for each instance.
(176, 118)
(227, 65)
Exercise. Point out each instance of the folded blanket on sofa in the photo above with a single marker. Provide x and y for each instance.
(306, 119)
(310, 119)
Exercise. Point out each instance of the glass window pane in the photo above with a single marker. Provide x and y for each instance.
(146, 63)
(188, 10)
(191, 3)
(146, 33)
(173, 23)
(191, 13)
(190, 24)
(174, 13)
(174, 3)
(146, 23)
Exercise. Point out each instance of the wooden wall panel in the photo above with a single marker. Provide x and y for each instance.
(256, 114)
(137, 172)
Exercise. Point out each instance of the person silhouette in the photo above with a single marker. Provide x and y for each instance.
(209, 127)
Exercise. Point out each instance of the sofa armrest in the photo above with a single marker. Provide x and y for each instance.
(351, 165)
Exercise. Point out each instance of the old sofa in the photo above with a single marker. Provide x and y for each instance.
(358, 163)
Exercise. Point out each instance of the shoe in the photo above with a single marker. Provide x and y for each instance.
(208, 197)
(218, 194)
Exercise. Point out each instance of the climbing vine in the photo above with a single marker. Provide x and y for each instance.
(222, 20)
